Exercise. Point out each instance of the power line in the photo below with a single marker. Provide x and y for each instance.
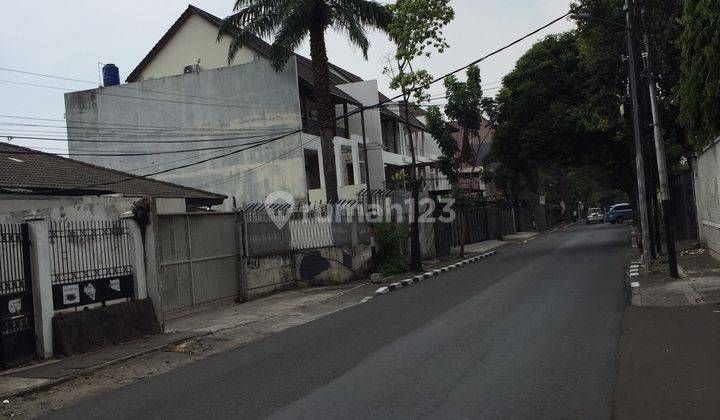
(143, 98)
(125, 86)
(345, 115)
(94, 123)
(207, 134)
(11, 136)
(130, 134)
(485, 57)
(139, 153)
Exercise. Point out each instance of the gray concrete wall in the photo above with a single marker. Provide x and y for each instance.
(15, 208)
(250, 97)
(269, 274)
(332, 265)
(367, 93)
(707, 197)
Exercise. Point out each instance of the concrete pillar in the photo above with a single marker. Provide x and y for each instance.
(322, 171)
(38, 230)
(137, 253)
(357, 176)
(153, 257)
(339, 166)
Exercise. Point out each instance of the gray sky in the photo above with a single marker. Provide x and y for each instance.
(69, 38)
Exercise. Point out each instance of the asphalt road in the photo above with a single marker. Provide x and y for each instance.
(530, 333)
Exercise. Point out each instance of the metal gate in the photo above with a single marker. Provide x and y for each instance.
(200, 258)
(17, 338)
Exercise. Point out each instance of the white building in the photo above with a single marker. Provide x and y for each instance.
(185, 96)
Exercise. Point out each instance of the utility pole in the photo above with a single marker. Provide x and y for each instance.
(667, 209)
(368, 195)
(639, 164)
(415, 258)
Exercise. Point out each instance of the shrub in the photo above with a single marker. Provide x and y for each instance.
(392, 248)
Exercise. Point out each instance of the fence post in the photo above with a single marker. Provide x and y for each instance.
(39, 235)
(137, 257)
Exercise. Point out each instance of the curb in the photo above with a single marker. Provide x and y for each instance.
(420, 277)
(57, 381)
(632, 276)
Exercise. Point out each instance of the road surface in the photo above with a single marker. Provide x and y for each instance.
(530, 333)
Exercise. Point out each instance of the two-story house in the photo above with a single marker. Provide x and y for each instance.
(204, 123)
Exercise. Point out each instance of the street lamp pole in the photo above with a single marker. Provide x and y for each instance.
(639, 164)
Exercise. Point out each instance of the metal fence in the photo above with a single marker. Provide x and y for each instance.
(12, 269)
(281, 229)
(87, 250)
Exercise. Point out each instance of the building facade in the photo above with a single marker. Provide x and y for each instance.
(241, 129)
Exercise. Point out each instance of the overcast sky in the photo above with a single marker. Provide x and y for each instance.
(68, 38)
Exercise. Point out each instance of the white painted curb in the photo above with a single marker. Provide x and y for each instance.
(420, 277)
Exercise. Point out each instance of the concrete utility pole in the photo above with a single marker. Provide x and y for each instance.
(415, 257)
(639, 164)
(667, 210)
(368, 195)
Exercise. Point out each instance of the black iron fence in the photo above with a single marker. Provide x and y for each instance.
(17, 336)
(90, 262)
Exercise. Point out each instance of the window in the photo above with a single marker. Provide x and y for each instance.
(347, 166)
(390, 135)
(361, 163)
(341, 125)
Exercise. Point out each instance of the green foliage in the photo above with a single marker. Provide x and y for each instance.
(559, 129)
(392, 248)
(699, 88)
(416, 30)
(465, 105)
(438, 129)
(464, 100)
(289, 22)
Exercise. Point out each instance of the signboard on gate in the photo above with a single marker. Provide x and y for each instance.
(90, 292)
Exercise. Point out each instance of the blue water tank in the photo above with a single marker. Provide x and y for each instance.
(111, 75)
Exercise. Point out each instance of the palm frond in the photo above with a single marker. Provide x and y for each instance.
(365, 12)
(293, 30)
(345, 21)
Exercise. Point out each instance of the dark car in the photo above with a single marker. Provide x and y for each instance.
(618, 213)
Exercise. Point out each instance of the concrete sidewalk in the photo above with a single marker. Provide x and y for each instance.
(55, 371)
(669, 363)
(669, 351)
(699, 281)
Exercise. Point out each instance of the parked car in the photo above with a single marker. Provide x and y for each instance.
(594, 215)
(618, 213)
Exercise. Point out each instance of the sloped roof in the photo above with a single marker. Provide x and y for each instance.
(31, 171)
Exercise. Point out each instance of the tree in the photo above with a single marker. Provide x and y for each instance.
(289, 22)
(416, 29)
(465, 106)
(699, 88)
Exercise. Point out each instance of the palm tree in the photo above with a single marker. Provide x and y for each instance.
(289, 22)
